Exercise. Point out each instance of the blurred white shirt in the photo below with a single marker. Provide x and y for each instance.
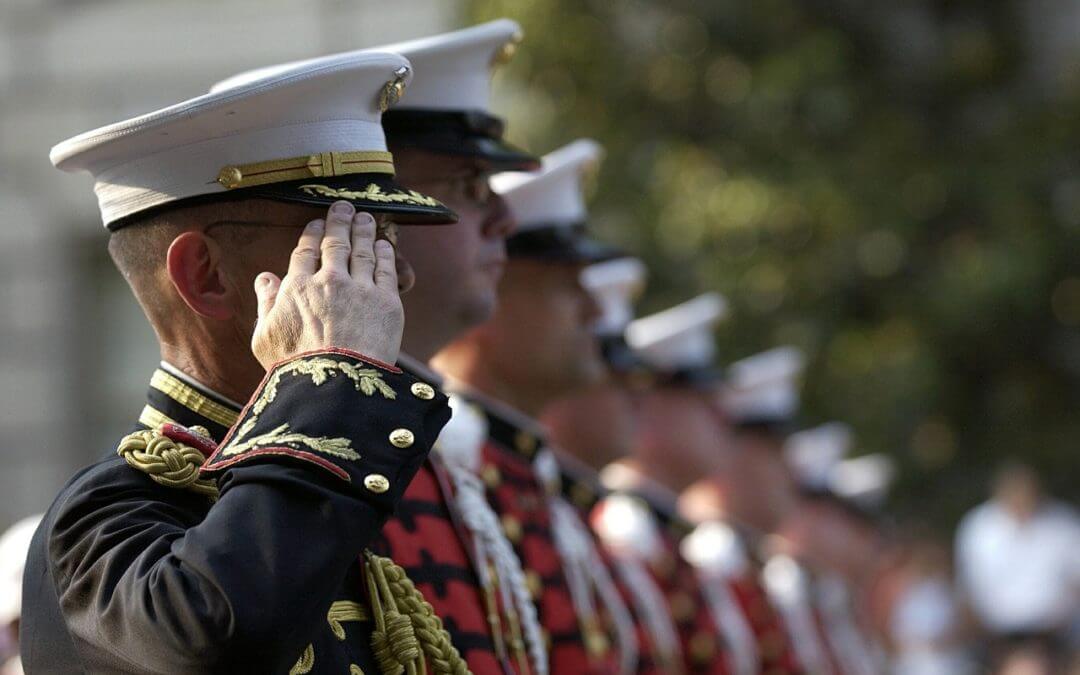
(1020, 575)
(921, 626)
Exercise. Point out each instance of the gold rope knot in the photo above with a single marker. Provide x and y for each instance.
(167, 461)
(408, 634)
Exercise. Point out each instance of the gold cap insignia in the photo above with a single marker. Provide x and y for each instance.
(393, 90)
(505, 53)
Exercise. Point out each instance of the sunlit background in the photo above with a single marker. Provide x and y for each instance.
(893, 187)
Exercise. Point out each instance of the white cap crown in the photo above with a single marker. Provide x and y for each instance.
(324, 118)
(764, 386)
(864, 480)
(615, 285)
(681, 337)
(554, 195)
(814, 454)
(453, 69)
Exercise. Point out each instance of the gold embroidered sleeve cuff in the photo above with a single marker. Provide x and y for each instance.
(365, 422)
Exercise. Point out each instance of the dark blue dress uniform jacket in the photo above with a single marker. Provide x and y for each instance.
(127, 575)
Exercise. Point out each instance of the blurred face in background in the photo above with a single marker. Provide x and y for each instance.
(541, 336)
(762, 488)
(596, 424)
(458, 266)
(1018, 490)
(832, 538)
(680, 434)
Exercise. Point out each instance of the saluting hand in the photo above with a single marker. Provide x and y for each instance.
(341, 290)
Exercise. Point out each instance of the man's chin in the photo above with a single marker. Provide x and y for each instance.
(479, 308)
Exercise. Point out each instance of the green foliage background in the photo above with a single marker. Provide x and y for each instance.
(902, 203)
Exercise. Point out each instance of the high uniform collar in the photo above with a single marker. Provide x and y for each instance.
(519, 434)
(177, 398)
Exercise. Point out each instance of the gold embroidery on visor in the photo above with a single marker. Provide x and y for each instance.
(372, 193)
(295, 168)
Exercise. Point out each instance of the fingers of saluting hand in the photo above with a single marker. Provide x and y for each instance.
(337, 242)
(305, 257)
(362, 262)
(385, 266)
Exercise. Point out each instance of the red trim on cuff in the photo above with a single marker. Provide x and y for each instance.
(337, 350)
(299, 454)
(329, 350)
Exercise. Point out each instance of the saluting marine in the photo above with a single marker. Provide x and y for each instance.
(215, 539)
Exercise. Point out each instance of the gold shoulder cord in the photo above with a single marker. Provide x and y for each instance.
(166, 461)
(408, 633)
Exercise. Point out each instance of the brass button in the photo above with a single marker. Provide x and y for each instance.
(681, 605)
(422, 390)
(534, 584)
(512, 528)
(230, 177)
(596, 642)
(525, 442)
(377, 483)
(402, 438)
(581, 495)
(491, 476)
(702, 647)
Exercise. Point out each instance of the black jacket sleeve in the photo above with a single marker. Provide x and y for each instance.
(154, 579)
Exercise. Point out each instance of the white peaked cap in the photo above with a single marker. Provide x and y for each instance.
(14, 545)
(679, 338)
(315, 121)
(863, 480)
(615, 285)
(453, 70)
(554, 195)
(814, 454)
(764, 386)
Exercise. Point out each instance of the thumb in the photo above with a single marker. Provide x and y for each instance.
(266, 290)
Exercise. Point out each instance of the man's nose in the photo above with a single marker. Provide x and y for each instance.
(499, 222)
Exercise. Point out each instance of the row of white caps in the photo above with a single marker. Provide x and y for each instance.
(762, 386)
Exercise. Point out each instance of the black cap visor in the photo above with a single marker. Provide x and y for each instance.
(560, 244)
(376, 193)
(473, 134)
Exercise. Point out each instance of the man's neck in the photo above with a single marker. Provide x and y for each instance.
(235, 378)
(629, 475)
(421, 345)
(702, 501)
(660, 469)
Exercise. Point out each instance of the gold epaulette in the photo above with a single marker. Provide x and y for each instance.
(408, 634)
(163, 455)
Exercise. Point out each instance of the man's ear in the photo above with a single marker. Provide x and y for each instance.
(194, 266)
